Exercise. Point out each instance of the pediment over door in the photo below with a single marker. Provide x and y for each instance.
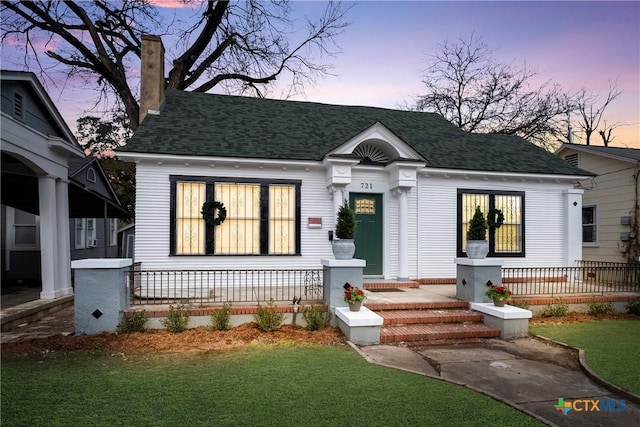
(376, 145)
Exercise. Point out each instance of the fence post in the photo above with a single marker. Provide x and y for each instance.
(100, 294)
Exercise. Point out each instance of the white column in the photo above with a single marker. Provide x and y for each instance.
(338, 193)
(573, 206)
(48, 237)
(403, 238)
(64, 245)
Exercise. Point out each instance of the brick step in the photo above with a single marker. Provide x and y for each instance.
(405, 317)
(437, 332)
(434, 305)
(390, 285)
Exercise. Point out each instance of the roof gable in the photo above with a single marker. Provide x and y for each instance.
(197, 124)
(631, 155)
(45, 116)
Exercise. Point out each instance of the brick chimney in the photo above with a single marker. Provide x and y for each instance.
(151, 76)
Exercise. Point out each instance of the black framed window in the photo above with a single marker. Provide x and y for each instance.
(262, 216)
(506, 241)
(590, 225)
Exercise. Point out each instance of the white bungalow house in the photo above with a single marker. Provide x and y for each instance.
(610, 209)
(281, 169)
(47, 184)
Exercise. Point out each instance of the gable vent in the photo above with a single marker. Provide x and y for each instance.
(572, 159)
(371, 154)
(17, 106)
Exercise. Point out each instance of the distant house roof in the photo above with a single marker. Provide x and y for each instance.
(90, 199)
(625, 154)
(32, 81)
(198, 124)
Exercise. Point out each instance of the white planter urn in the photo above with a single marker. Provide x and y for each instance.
(477, 249)
(343, 249)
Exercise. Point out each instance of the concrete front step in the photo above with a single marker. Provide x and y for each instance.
(406, 317)
(436, 332)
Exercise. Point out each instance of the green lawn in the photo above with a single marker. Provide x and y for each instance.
(611, 347)
(271, 386)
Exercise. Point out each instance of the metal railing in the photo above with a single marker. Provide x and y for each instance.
(588, 277)
(218, 286)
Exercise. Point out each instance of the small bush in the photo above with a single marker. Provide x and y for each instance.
(600, 308)
(634, 307)
(267, 318)
(520, 303)
(220, 318)
(557, 309)
(176, 320)
(133, 323)
(316, 318)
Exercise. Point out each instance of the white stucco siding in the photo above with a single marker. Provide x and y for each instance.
(153, 219)
(545, 223)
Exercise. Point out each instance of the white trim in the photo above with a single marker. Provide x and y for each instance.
(468, 174)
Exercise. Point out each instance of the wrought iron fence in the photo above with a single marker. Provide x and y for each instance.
(588, 277)
(219, 286)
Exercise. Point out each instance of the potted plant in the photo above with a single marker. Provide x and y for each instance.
(499, 294)
(345, 231)
(477, 244)
(353, 296)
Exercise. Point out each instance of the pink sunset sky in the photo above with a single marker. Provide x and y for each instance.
(574, 44)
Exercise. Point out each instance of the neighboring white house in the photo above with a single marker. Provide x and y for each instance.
(41, 193)
(610, 209)
(282, 168)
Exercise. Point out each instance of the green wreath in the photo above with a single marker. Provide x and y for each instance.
(495, 218)
(209, 213)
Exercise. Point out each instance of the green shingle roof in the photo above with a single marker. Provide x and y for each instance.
(198, 124)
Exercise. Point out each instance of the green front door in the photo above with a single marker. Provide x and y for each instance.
(368, 209)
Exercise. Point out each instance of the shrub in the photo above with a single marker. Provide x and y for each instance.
(267, 318)
(132, 323)
(316, 318)
(477, 226)
(634, 307)
(557, 309)
(220, 318)
(176, 320)
(520, 303)
(600, 308)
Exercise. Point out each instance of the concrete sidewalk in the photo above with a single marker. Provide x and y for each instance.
(508, 371)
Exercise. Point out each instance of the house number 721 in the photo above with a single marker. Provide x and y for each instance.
(366, 186)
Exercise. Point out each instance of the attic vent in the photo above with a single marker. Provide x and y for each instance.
(370, 153)
(17, 106)
(91, 175)
(572, 159)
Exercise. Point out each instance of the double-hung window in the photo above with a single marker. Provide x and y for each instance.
(589, 225)
(505, 241)
(261, 217)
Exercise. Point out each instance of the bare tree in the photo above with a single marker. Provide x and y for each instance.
(466, 85)
(240, 45)
(591, 114)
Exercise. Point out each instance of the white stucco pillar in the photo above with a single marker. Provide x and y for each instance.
(403, 238)
(63, 283)
(573, 225)
(48, 237)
